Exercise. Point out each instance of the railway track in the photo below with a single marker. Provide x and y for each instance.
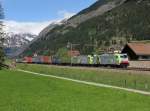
(138, 69)
(97, 66)
(129, 68)
(118, 68)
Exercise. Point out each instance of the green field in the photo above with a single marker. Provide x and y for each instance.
(121, 79)
(26, 92)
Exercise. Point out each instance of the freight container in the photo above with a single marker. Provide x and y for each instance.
(83, 59)
(28, 59)
(19, 60)
(65, 60)
(33, 60)
(95, 60)
(36, 60)
(107, 59)
(46, 59)
(56, 60)
(90, 59)
(74, 60)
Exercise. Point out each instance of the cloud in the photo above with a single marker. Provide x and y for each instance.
(65, 14)
(33, 27)
(26, 27)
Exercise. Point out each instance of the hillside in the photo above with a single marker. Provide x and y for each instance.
(107, 23)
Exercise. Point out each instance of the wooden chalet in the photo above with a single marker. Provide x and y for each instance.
(137, 51)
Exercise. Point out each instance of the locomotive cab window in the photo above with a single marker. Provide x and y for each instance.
(124, 56)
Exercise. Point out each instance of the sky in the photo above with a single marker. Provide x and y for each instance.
(24, 15)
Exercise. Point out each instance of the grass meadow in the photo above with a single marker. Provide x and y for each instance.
(25, 92)
(121, 79)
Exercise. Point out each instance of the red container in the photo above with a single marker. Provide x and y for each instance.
(46, 59)
(28, 59)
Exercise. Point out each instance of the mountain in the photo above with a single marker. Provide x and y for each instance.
(16, 41)
(105, 24)
(19, 39)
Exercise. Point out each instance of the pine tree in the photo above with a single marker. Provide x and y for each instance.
(1, 35)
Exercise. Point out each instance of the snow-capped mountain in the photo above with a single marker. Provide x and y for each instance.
(18, 39)
(15, 42)
(19, 36)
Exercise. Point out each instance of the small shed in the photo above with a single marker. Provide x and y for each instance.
(137, 51)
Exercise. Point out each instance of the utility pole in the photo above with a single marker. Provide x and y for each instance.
(71, 45)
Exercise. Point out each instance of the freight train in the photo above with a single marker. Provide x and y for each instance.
(112, 60)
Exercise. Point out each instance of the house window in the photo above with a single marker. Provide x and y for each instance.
(144, 57)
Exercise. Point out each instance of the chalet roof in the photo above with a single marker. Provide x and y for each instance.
(140, 48)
